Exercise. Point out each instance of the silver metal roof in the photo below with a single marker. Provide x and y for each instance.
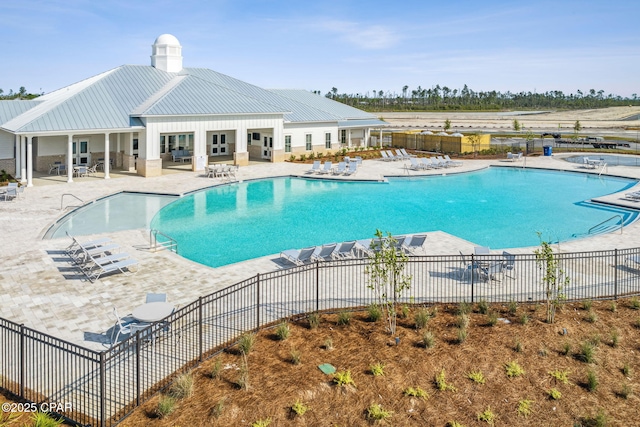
(337, 109)
(13, 108)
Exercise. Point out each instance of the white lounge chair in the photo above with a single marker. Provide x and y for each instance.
(442, 161)
(392, 156)
(345, 250)
(298, 257)
(324, 252)
(94, 261)
(327, 168)
(427, 163)
(342, 167)
(123, 267)
(11, 192)
(414, 244)
(415, 165)
(400, 155)
(84, 256)
(407, 155)
(315, 168)
(352, 168)
(385, 156)
(635, 196)
(453, 162)
(77, 246)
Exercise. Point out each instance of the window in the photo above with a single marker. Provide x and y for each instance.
(135, 143)
(309, 147)
(287, 143)
(163, 144)
(343, 136)
(327, 140)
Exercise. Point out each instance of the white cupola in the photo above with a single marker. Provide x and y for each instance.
(166, 54)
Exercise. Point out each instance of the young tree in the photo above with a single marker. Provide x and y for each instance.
(516, 125)
(386, 276)
(554, 279)
(447, 125)
(475, 140)
(577, 127)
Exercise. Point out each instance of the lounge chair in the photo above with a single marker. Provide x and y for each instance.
(327, 168)
(76, 246)
(385, 156)
(509, 261)
(358, 160)
(442, 161)
(510, 156)
(399, 242)
(345, 250)
(400, 155)
(342, 167)
(11, 192)
(453, 162)
(415, 165)
(85, 255)
(298, 257)
(392, 156)
(414, 244)
(115, 267)
(315, 168)
(352, 168)
(427, 163)
(91, 262)
(324, 252)
(407, 155)
(436, 163)
(635, 195)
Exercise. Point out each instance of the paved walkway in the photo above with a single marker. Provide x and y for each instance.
(38, 286)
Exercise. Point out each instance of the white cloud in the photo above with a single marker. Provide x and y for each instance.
(361, 35)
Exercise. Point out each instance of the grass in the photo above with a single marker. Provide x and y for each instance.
(441, 382)
(476, 377)
(428, 339)
(524, 408)
(487, 416)
(513, 369)
(560, 376)
(421, 318)
(182, 387)
(344, 318)
(587, 352)
(554, 394)
(377, 413)
(592, 381)
(377, 369)
(416, 392)
(343, 379)
(246, 342)
(166, 406)
(374, 312)
(283, 331)
(40, 419)
(299, 408)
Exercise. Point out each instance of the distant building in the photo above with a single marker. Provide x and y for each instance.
(138, 117)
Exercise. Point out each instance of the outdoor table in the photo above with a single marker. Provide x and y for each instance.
(153, 311)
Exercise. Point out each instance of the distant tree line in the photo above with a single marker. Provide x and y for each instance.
(444, 99)
(20, 94)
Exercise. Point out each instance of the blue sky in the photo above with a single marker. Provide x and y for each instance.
(355, 46)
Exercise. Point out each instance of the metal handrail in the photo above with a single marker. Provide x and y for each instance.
(607, 220)
(604, 166)
(171, 244)
(75, 197)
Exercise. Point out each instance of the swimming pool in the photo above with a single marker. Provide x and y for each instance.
(609, 159)
(496, 207)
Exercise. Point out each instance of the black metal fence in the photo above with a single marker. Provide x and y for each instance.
(101, 388)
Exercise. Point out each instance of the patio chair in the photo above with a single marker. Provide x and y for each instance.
(342, 167)
(327, 168)
(102, 259)
(359, 160)
(400, 155)
(120, 327)
(415, 243)
(153, 297)
(442, 161)
(510, 156)
(453, 162)
(324, 252)
(352, 168)
(427, 163)
(298, 257)
(466, 266)
(509, 262)
(11, 191)
(385, 156)
(491, 271)
(407, 155)
(315, 168)
(85, 255)
(345, 250)
(77, 246)
(123, 267)
(392, 156)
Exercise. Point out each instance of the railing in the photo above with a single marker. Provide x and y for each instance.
(102, 388)
(72, 206)
(167, 243)
(607, 220)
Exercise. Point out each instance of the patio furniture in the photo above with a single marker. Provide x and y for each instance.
(342, 167)
(324, 252)
(352, 168)
(492, 270)
(154, 297)
(123, 267)
(315, 167)
(345, 250)
(152, 312)
(415, 243)
(327, 168)
(298, 257)
(180, 155)
(509, 261)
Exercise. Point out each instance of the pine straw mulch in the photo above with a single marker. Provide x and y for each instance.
(275, 383)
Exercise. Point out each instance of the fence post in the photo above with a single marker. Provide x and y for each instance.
(473, 264)
(22, 361)
(615, 274)
(317, 286)
(257, 301)
(103, 387)
(137, 338)
(200, 331)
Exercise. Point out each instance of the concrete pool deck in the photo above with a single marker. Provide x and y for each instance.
(42, 290)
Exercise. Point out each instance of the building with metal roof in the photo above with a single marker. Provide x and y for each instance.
(137, 117)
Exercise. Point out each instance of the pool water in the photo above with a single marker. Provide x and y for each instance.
(496, 207)
(609, 159)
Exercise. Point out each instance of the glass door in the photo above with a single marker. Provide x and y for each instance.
(81, 156)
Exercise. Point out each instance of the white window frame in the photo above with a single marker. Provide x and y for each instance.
(309, 144)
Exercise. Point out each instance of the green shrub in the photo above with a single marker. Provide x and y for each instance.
(566, 349)
(592, 381)
(216, 410)
(634, 303)
(303, 157)
(374, 312)
(487, 416)
(613, 307)
(560, 376)
(344, 318)
(512, 307)
(483, 306)
(441, 382)
(243, 376)
(416, 392)
(377, 413)
(292, 158)
(405, 311)
(615, 338)
(314, 320)
(464, 308)
(421, 318)
(587, 304)
(40, 419)
(463, 321)
(262, 423)
(299, 408)
(377, 369)
(554, 394)
(600, 420)
(166, 405)
(626, 370)
(476, 377)
(523, 319)
(513, 369)
(216, 368)
(517, 347)
(454, 424)
(328, 344)
(626, 391)
(587, 352)
(283, 331)
(492, 318)
(462, 335)
(591, 317)
(524, 408)
(343, 379)
(246, 342)
(182, 387)
(296, 356)
(428, 339)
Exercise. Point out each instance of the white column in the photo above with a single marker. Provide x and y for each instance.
(69, 158)
(29, 161)
(23, 160)
(349, 138)
(106, 156)
(117, 149)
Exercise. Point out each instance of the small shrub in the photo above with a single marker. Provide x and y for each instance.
(283, 331)
(566, 349)
(462, 335)
(592, 381)
(634, 303)
(296, 356)
(543, 352)
(523, 319)
(483, 306)
(374, 312)
(492, 318)
(303, 157)
(626, 370)
(421, 318)
(377, 369)
(463, 321)
(487, 416)
(299, 408)
(166, 405)
(292, 158)
(328, 344)
(216, 369)
(615, 338)
(464, 308)
(554, 394)
(343, 379)
(512, 307)
(441, 382)
(626, 391)
(587, 352)
(344, 318)
(404, 313)
(524, 408)
(246, 342)
(560, 376)
(243, 377)
(613, 307)
(216, 410)
(416, 392)
(476, 377)
(377, 413)
(428, 339)
(182, 387)
(595, 340)
(41, 419)
(517, 347)
(587, 304)
(454, 424)
(314, 320)
(591, 317)
(513, 369)
(262, 423)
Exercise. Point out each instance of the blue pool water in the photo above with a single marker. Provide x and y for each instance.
(496, 207)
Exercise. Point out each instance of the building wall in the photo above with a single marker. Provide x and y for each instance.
(298, 132)
(7, 144)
